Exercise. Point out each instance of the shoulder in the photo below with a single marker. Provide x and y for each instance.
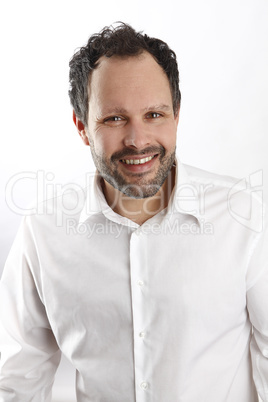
(198, 175)
(56, 212)
(237, 200)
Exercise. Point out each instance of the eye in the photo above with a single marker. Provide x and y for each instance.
(153, 115)
(113, 118)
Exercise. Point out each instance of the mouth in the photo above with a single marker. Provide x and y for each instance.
(141, 164)
(137, 161)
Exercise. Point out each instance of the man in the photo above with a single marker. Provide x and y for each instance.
(154, 286)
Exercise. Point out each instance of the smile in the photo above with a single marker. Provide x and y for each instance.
(137, 161)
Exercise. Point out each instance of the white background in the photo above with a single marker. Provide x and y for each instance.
(222, 50)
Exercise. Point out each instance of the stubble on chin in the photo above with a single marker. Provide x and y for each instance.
(138, 186)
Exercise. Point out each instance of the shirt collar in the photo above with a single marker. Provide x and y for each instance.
(184, 199)
(96, 203)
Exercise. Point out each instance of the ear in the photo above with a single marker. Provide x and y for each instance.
(81, 129)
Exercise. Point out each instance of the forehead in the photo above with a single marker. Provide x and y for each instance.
(111, 64)
(139, 77)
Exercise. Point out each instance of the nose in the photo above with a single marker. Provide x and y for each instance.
(136, 135)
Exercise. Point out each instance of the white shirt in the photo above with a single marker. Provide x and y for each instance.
(161, 312)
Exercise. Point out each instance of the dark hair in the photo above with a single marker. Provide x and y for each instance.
(122, 40)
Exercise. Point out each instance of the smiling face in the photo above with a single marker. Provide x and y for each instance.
(131, 125)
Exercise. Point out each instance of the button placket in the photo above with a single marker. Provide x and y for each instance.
(139, 285)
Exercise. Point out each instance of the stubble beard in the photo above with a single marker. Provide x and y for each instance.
(137, 186)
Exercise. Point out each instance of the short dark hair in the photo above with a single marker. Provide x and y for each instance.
(122, 40)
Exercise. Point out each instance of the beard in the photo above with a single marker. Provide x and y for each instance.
(134, 185)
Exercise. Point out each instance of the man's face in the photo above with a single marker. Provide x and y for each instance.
(131, 124)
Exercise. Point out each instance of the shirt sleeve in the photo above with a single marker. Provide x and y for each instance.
(257, 304)
(29, 351)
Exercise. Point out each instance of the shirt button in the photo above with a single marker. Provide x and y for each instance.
(144, 385)
(140, 283)
(142, 334)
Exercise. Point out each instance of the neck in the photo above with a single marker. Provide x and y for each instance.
(139, 210)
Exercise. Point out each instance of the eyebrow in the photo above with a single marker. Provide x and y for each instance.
(120, 110)
(115, 110)
(162, 106)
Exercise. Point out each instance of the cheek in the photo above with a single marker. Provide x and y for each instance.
(167, 137)
(105, 145)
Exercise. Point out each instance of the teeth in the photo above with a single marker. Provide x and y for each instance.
(137, 161)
